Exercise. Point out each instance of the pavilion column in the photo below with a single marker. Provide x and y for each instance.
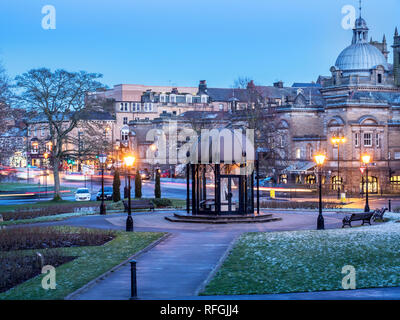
(194, 207)
(217, 189)
(187, 188)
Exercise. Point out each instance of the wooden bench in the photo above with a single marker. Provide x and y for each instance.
(138, 205)
(378, 214)
(364, 217)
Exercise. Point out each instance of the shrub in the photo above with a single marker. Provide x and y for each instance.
(34, 212)
(116, 187)
(162, 203)
(157, 187)
(18, 267)
(51, 237)
(138, 185)
(298, 205)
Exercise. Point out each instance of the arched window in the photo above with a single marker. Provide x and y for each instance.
(373, 185)
(310, 179)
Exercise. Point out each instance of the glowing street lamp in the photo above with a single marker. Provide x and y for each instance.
(319, 160)
(337, 140)
(129, 161)
(366, 159)
(102, 159)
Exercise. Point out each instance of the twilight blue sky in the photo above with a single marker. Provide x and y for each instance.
(179, 42)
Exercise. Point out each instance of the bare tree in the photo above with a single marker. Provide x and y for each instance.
(5, 95)
(61, 98)
(261, 115)
(241, 82)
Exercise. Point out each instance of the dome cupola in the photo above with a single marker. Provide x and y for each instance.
(361, 56)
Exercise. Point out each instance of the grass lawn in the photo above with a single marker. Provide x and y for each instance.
(91, 262)
(304, 261)
(28, 187)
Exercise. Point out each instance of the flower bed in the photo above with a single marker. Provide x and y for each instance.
(298, 205)
(89, 262)
(18, 267)
(34, 212)
(51, 237)
(304, 261)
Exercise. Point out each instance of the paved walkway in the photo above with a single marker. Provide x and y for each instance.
(177, 267)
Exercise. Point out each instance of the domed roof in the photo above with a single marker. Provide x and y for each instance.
(222, 145)
(360, 56)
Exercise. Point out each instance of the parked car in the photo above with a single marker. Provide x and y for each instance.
(165, 174)
(144, 174)
(82, 194)
(108, 194)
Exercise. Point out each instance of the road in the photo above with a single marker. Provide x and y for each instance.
(176, 189)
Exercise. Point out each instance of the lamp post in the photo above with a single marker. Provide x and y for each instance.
(45, 155)
(129, 161)
(320, 159)
(337, 140)
(366, 159)
(153, 148)
(102, 159)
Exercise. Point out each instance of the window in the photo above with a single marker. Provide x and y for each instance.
(397, 156)
(337, 182)
(310, 179)
(310, 152)
(395, 180)
(298, 153)
(121, 107)
(124, 135)
(379, 78)
(378, 140)
(49, 146)
(35, 132)
(125, 120)
(126, 107)
(35, 147)
(367, 139)
(357, 139)
(188, 99)
(42, 132)
(172, 98)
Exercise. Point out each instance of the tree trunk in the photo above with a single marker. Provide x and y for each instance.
(56, 164)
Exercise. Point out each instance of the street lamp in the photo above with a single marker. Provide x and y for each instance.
(102, 159)
(129, 161)
(366, 159)
(337, 140)
(320, 159)
(45, 156)
(153, 148)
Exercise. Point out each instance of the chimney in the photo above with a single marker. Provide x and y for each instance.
(202, 87)
(278, 84)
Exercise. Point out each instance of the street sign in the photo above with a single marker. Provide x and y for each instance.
(362, 170)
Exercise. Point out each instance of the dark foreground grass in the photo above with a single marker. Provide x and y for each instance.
(90, 262)
(304, 261)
